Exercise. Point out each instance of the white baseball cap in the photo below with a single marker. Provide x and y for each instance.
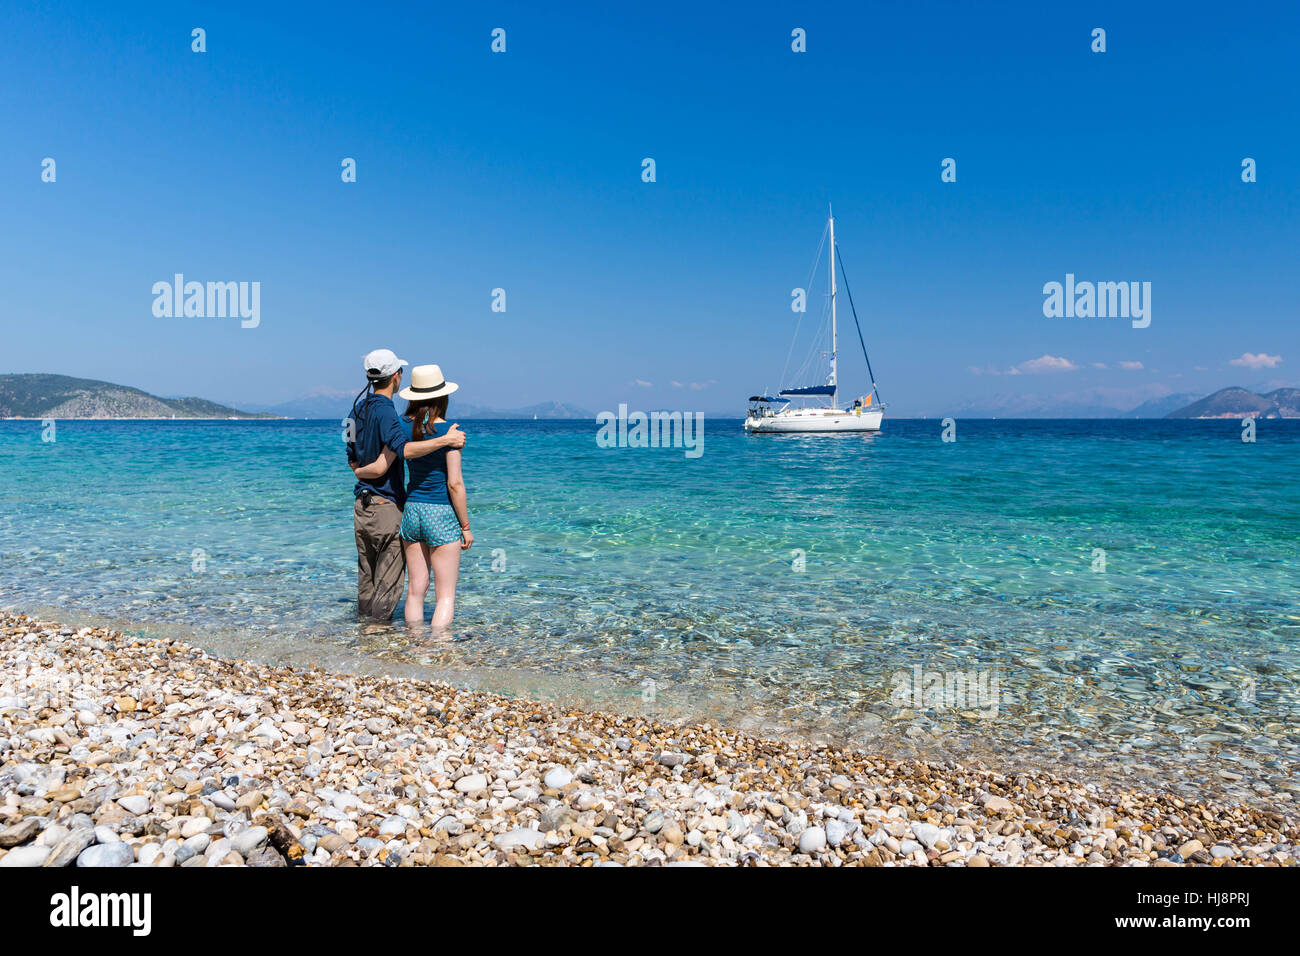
(381, 363)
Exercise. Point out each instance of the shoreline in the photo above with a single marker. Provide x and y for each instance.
(119, 750)
(1191, 775)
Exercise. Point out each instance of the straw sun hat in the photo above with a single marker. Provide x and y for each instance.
(427, 382)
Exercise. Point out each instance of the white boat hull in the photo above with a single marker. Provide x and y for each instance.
(768, 415)
(816, 420)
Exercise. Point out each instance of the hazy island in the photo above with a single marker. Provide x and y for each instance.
(61, 396)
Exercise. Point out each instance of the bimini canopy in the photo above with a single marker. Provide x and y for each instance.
(764, 398)
(810, 390)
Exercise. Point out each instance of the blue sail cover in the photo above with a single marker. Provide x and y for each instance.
(810, 390)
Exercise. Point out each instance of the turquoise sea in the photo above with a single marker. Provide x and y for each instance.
(1128, 592)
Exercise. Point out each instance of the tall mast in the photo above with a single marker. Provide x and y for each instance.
(833, 381)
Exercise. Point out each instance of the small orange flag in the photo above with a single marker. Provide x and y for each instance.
(867, 404)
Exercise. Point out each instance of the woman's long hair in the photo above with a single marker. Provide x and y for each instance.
(423, 412)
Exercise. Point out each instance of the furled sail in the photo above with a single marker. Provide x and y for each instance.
(810, 390)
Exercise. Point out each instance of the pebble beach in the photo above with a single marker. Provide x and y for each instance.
(118, 750)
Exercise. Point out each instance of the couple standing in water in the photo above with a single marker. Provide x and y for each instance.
(417, 523)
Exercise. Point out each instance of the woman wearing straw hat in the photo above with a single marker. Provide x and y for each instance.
(435, 521)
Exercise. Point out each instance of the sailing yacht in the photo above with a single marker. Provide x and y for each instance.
(779, 414)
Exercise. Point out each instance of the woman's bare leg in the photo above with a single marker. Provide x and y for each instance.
(446, 571)
(417, 580)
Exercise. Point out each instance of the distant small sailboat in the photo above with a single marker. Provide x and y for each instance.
(769, 414)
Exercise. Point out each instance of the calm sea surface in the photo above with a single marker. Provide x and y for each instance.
(1119, 598)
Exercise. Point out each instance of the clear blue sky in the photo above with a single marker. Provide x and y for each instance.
(523, 171)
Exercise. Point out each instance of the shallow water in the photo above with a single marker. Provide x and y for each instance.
(598, 571)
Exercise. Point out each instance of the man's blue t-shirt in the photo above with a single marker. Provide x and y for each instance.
(428, 480)
(377, 425)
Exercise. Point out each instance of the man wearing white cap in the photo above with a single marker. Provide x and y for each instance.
(377, 512)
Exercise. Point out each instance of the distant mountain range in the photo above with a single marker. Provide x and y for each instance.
(1232, 402)
(1090, 403)
(1161, 407)
(551, 410)
(1239, 403)
(64, 397)
(60, 396)
(327, 403)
